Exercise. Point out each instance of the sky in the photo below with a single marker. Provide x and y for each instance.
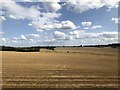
(57, 23)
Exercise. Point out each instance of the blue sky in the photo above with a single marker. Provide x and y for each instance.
(59, 23)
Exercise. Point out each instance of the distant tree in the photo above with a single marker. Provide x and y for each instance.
(68, 52)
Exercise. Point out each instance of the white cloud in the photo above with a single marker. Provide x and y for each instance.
(22, 37)
(68, 25)
(52, 0)
(36, 0)
(27, 37)
(2, 18)
(86, 24)
(99, 41)
(115, 20)
(13, 17)
(57, 25)
(80, 6)
(86, 28)
(17, 11)
(39, 20)
(1, 32)
(24, 0)
(51, 15)
(39, 30)
(22, 40)
(3, 39)
(108, 35)
(59, 35)
(96, 27)
(76, 37)
(77, 34)
(111, 3)
(47, 23)
(51, 5)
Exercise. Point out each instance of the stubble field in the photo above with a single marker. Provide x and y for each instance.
(78, 68)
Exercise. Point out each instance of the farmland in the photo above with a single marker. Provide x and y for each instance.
(65, 67)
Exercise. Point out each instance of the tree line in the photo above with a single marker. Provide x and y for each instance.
(25, 49)
(38, 48)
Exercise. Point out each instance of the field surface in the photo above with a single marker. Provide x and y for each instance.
(63, 68)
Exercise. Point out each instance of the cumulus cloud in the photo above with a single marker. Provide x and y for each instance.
(99, 41)
(13, 17)
(115, 20)
(22, 40)
(85, 5)
(39, 20)
(27, 37)
(25, 0)
(49, 20)
(51, 5)
(16, 11)
(82, 34)
(1, 32)
(108, 35)
(111, 3)
(77, 34)
(96, 27)
(2, 18)
(83, 37)
(45, 21)
(22, 37)
(48, 23)
(59, 35)
(2, 40)
(86, 24)
(75, 37)
(51, 15)
(68, 25)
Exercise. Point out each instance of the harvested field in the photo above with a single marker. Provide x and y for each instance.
(63, 68)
